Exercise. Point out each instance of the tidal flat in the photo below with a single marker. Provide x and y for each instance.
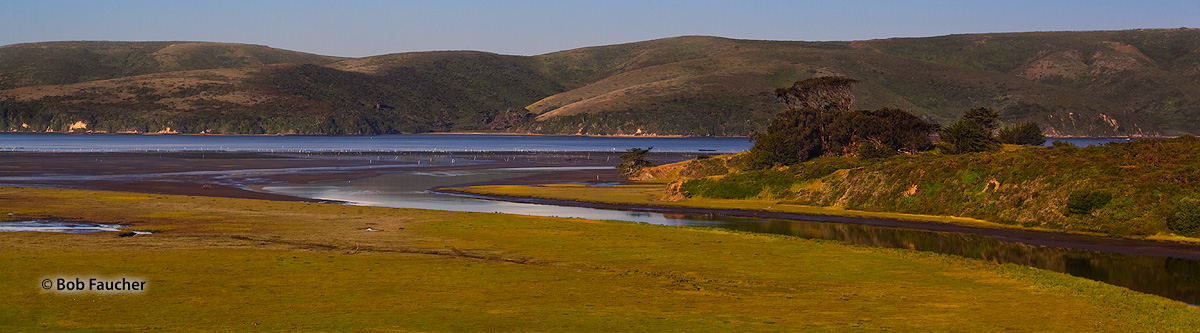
(235, 264)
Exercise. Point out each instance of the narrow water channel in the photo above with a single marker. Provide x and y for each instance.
(1173, 278)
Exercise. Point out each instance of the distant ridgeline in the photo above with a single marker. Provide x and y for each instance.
(1105, 83)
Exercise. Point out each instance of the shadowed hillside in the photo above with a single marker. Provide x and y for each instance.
(1107, 83)
(458, 91)
(33, 64)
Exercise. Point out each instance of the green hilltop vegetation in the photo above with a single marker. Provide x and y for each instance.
(1140, 188)
(820, 153)
(1101, 83)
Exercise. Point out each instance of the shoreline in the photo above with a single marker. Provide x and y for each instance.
(680, 136)
(229, 174)
(176, 180)
(1099, 243)
(364, 135)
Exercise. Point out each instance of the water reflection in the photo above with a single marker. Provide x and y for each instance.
(70, 227)
(408, 190)
(1173, 278)
(1169, 277)
(50, 142)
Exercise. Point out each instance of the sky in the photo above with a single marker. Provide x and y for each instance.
(356, 28)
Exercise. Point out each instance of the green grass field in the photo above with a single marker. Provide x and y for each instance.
(235, 264)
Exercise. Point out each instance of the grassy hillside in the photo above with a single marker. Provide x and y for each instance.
(1139, 188)
(33, 64)
(665, 83)
(1153, 73)
(377, 95)
(1106, 83)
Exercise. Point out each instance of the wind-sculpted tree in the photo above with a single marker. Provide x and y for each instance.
(818, 122)
(966, 136)
(820, 93)
(985, 117)
(634, 160)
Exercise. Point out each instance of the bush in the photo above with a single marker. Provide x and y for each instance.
(966, 136)
(985, 117)
(793, 137)
(710, 188)
(1185, 220)
(1029, 134)
(743, 185)
(1062, 144)
(1084, 202)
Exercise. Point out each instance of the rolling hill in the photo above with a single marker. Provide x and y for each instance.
(1102, 83)
(24, 65)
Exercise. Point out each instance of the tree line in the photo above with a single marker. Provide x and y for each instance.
(819, 122)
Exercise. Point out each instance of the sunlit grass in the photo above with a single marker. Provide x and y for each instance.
(651, 194)
(247, 264)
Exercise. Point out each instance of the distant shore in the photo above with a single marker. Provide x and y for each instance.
(229, 174)
(1048, 138)
(423, 133)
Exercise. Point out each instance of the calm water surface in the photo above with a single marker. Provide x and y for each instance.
(1170, 277)
(1084, 142)
(70, 227)
(378, 143)
(51, 142)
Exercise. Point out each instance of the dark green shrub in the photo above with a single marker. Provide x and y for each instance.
(1029, 134)
(742, 185)
(1084, 202)
(1062, 144)
(1186, 217)
(985, 117)
(846, 131)
(793, 137)
(966, 136)
(718, 189)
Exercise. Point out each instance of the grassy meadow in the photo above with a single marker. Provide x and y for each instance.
(236, 264)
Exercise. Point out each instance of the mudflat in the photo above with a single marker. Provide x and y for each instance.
(225, 174)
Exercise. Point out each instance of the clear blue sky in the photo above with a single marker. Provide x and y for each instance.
(365, 27)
